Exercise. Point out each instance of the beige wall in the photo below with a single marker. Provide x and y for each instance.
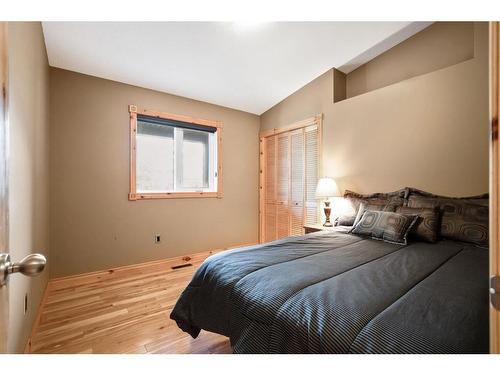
(28, 170)
(440, 45)
(430, 131)
(93, 224)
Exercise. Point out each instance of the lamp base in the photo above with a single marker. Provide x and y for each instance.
(328, 211)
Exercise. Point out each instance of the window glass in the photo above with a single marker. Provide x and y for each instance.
(154, 158)
(175, 158)
(195, 155)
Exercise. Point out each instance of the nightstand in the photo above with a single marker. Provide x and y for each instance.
(311, 228)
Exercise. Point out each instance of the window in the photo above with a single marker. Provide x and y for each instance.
(173, 156)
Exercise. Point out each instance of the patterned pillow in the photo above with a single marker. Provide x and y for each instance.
(372, 207)
(462, 219)
(427, 226)
(395, 198)
(390, 227)
(482, 199)
(350, 208)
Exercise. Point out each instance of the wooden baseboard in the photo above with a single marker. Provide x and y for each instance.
(73, 280)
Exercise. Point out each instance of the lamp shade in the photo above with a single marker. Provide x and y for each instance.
(327, 188)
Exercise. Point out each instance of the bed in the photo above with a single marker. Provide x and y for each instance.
(335, 292)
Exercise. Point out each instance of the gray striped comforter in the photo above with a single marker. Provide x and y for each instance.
(331, 292)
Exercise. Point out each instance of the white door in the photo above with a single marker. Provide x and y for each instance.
(32, 264)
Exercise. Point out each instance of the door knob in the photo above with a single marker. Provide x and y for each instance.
(495, 292)
(30, 265)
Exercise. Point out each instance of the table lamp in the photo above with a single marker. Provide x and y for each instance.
(326, 189)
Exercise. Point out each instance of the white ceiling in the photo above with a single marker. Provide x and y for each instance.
(249, 67)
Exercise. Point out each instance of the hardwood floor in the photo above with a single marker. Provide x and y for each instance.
(123, 310)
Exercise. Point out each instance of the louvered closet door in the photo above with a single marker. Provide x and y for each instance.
(297, 179)
(290, 173)
(282, 184)
(311, 138)
(270, 189)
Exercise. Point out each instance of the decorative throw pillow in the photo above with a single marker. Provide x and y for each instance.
(372, 207)
(353, 201)
(427, 226)
(462, 219)
(387, 226)
(349, 209)
(345, 220)
(395, 197)
(481, 200)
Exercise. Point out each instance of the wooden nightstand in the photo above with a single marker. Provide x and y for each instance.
(311, 228)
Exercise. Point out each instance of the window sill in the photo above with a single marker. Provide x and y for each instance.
(176, 195)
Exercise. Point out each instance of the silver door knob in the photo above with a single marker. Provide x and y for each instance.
(30, 265)
(495, 291)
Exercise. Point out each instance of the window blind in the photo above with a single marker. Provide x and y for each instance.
(175, 123)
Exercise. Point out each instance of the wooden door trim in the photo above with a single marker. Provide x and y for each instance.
(314, 120)
(494, 177)
(4, 195)
(289, 156)
(262, 181)
(296, 125)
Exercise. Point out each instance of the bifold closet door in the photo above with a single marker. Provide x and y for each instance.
(282, 184)
(270, 227)
(311, 138)
(297, 178)
(290, 169)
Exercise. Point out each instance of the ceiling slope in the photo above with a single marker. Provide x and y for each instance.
(249, 67)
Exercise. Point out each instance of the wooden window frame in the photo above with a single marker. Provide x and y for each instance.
(314, 120)
(134, 111)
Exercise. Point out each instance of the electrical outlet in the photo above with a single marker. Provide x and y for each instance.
(157, 238)
(25, 303)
